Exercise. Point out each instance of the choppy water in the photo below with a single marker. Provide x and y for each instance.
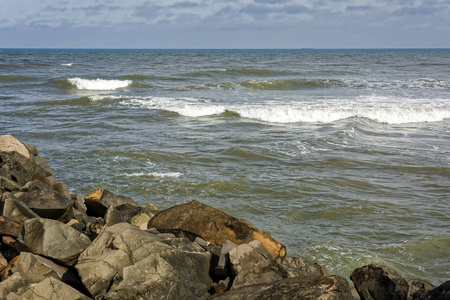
(344, 155)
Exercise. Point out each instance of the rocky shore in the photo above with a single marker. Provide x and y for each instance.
(57, 245)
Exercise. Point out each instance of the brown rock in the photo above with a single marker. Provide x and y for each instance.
(7, 271)
(214, 226)
(3, 262)
(13, 207)
(442, 292)
(382, 283)
(100, 200)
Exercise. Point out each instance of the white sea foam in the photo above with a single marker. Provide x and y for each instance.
(98, 84)
(379, 109)
(103, 97)
(155, 174)
(71, 64)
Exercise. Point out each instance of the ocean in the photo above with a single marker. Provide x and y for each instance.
(343, 155)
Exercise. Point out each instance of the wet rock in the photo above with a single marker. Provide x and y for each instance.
(53, 289)
(10, 226)
(380, 282)
(100, 200)
(297, 266)
(252, 264)
(442, 292)
(214, 226)
(45, 201)
(311, 287)
(124, 261)
(52, 239)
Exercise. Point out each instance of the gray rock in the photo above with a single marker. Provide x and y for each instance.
(374, 282)
(7, 185)
(52, 239)
(100, 200)
(297, 266)
(121, 213)
(45, 201)
(252, 264)
(10, 286)
(124, 262)
(52, 289)
(13, 207)
(310, 287)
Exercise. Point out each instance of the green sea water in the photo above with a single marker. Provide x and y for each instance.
(344, 155)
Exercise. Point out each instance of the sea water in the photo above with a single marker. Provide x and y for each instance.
(344, 155)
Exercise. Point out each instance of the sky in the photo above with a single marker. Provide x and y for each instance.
(225, 24)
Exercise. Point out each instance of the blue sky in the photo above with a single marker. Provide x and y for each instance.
(225, 24)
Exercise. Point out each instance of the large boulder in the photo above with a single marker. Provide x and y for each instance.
(45, 201)
(381, 283)
(52, 239)
(214, 226)
(124, 262)
(311, 287)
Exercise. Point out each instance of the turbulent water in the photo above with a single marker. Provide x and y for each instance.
(344, 155)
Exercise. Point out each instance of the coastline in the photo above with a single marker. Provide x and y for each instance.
(105, 245)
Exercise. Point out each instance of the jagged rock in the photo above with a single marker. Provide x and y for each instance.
(9, 288)
(7, 185)
(13, 207)
(252, 264)
(45, 201)
(310, 287)
(222, 268)
(19, 165)
(121, 213)
(10, 226)
(52, 289)
(35, 268)
(297, 266)
(79, 208)
(7, 271)
(148, 211)
(52, 239)
(379, 282)
(442, 292)
(100, 200)
(214, 226)
(124, 262)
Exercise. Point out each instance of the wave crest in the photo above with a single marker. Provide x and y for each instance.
(98, 84)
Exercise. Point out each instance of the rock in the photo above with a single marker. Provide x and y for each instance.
(45, 201)
(52, 289)
(53, 239)
(147, 212)
(297, 266)
(221, 286)
(442, 292)
(80, 209)
(100, 200)
(121, 213)
(310, 287)
(7, 185)
(10, 226)
(8, 288)
(9, 144)
(7, 271)
(3, 262)
(223, 265)
(19, 165)
(379, 282)
(13, 207)
(252, 264)
(214, 226)
(124, 262)
(35, 268)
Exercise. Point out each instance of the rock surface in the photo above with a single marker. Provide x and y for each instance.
(214, 226)
(53, 239)
(52, 289)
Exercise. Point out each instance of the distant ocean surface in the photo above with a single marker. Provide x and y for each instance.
(344, 155)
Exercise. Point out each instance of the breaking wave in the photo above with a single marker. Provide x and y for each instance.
(98, 84)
